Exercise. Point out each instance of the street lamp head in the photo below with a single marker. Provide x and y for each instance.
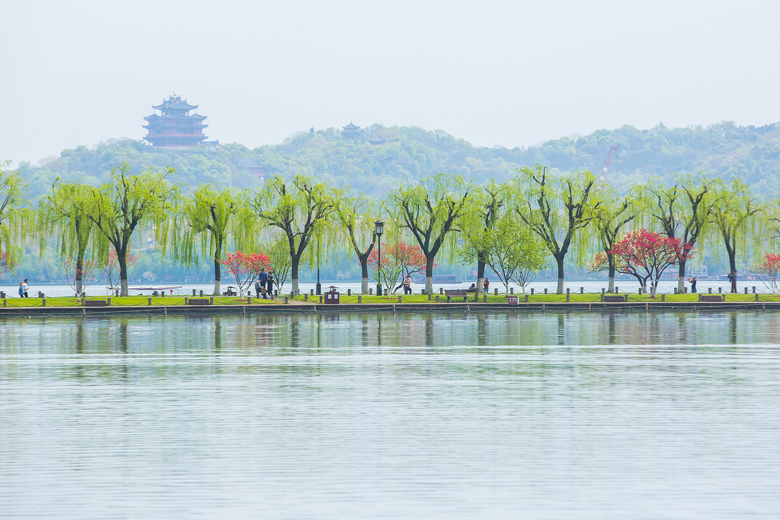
(380, 228)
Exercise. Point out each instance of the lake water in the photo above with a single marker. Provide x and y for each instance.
(633, 415)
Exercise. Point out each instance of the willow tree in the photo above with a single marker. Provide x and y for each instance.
(208, 218)
(557, 209)
(430, 211)
(682, 211)
(609, 218)
(356, 217)
(300, 210)
(477, 223)
(732, 215)
(63, 213)
(125, 203)
(13, 215)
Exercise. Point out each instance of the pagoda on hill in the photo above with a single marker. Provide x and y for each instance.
(175, 126)
(350, 131)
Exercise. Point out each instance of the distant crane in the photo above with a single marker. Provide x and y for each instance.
(608, 163)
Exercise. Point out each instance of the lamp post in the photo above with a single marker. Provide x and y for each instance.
(318, 287)
(378, 230)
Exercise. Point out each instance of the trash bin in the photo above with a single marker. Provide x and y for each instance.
(332, 295)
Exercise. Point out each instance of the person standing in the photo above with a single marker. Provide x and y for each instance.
(692, 281)
(408, 284)
(24, 288)
(262, 278)
(485, 285)
(269, 285)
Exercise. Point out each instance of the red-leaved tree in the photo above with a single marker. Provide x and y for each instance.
(646, 255)
(245, 268)
(397, 260)
(767, 271)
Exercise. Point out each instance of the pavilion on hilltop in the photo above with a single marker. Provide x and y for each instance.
(175, 126)
(350, 131)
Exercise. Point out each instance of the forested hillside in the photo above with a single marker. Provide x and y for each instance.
(410, 153)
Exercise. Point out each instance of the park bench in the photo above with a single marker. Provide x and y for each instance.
(95, 303)
(198, 301)
(456, 293)
(614, 298)
(711, 297)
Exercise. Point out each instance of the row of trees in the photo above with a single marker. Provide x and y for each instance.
(513, 228)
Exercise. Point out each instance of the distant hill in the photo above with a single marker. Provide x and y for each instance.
(409, 153)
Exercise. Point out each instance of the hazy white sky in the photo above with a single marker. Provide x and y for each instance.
(492, 72)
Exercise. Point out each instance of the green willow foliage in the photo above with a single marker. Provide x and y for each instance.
(431, 189)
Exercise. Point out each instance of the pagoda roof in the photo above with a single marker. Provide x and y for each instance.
(377, 140)
(351, 127)
(176, 103)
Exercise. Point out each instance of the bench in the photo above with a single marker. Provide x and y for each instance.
(198, 301)
(456, 293)
(95, 303)
(711, 297)
(614, 298)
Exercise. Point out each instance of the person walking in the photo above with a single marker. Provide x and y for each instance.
(24, 288)
(408, 284)
(21, 289)
(269, 285)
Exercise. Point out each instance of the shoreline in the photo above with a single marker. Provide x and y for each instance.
(411, 308)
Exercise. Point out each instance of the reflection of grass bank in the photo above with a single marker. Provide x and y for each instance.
(134, 301)
(170, 301)
(536, 298)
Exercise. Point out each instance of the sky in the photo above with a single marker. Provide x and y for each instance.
(496, 73)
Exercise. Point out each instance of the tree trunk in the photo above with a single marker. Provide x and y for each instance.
(122, 260)
(653, 288)
(364, 272)
(294, 275)
(429, 274)
(217, 269)
(611, 283)
(559, 261)
(79, 273)
(681, 277)
(480, 276)
(732, 252)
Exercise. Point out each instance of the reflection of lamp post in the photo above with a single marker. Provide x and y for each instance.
(380, 228)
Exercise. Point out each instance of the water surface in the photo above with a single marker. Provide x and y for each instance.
(660, 415)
